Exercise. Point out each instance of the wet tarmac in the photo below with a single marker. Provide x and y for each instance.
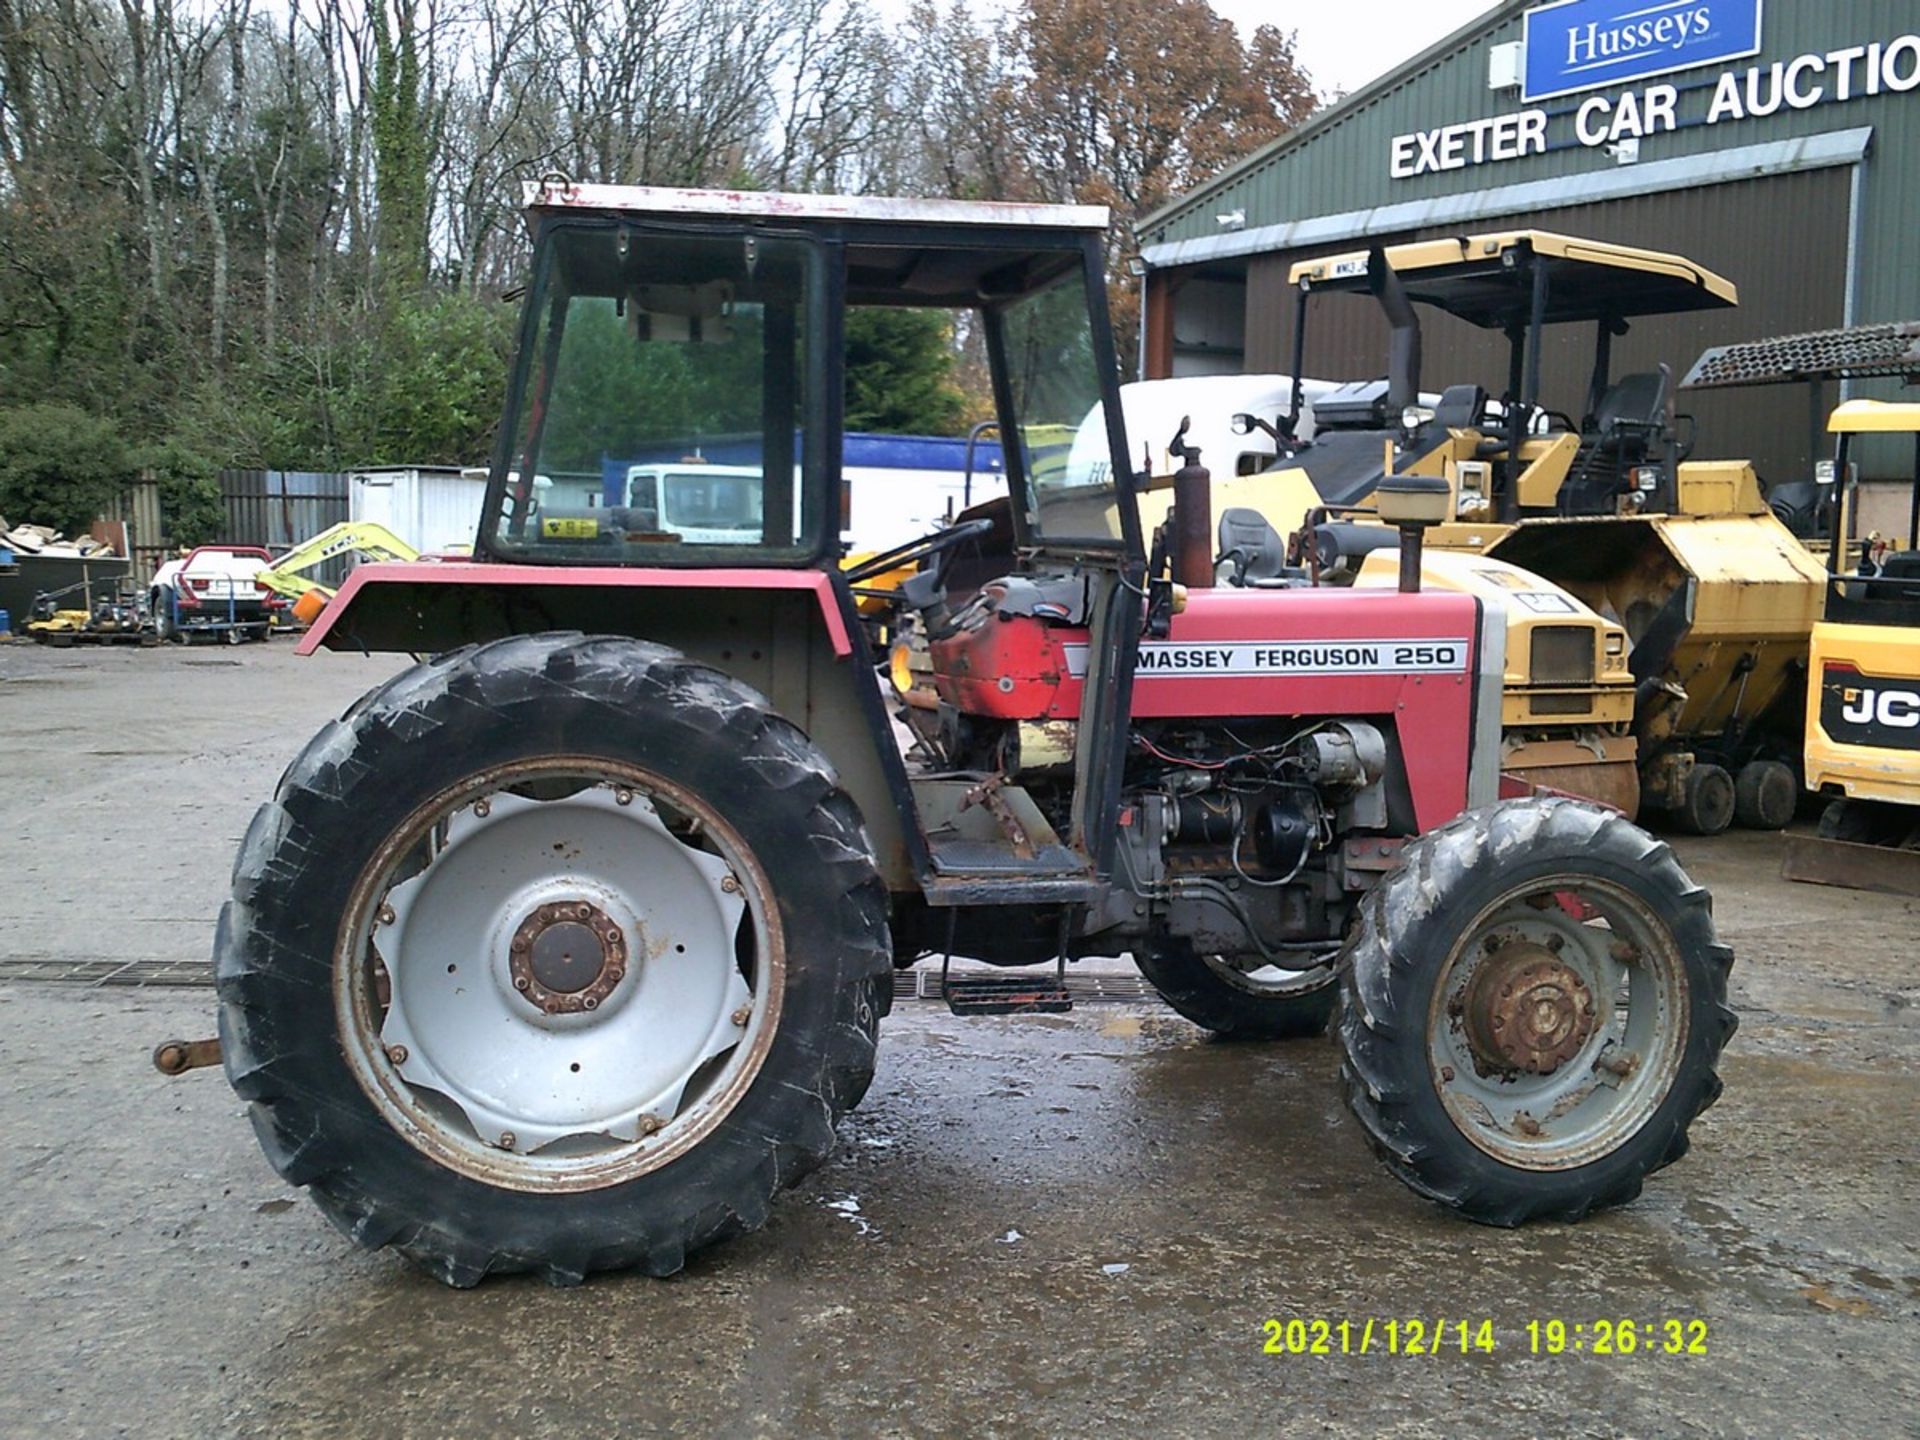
(1037, 1226)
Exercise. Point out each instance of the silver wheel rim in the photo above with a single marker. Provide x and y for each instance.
(541, 982)
(1590, 995)
(1268, 981)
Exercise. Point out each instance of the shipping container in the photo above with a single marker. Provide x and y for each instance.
(434, 509)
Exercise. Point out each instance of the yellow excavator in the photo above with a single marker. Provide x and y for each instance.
(1863, 696)
(287, 577)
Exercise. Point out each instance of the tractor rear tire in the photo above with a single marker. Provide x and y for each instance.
(1552, 1105)
(677, 769)
(1765, 795)
(1707, 804)
(1215, 997)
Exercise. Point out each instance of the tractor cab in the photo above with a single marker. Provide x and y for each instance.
(1516, 453)
(1863, 691)
(680, 377)
(694, 359)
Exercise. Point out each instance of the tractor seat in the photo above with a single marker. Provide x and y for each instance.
(1632, 414)
(1341, 546)
(1902, 566)
(1251, 551)
(1460, 407)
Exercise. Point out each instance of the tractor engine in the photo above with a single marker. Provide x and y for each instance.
(1283, 745)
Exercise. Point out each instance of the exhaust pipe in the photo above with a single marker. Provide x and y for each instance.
(1403, 355)
(1192, 514)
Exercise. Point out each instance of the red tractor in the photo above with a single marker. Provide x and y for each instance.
(566, 949)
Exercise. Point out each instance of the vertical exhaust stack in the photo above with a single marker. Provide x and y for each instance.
(1192, 514)
(1403, 357)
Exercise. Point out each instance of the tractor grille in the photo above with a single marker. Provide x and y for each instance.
(1562, 655)
(1562, 704)
(1864, 350)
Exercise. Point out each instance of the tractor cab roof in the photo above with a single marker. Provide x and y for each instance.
(1485, 279)
(1875, 417)
(952, 253)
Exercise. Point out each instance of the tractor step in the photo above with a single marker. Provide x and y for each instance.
(1007, 995)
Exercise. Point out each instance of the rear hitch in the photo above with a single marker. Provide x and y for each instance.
(176, 1057)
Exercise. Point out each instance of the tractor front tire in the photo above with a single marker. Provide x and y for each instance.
(1488, 1055)
(1292, 1005)
(558, 954)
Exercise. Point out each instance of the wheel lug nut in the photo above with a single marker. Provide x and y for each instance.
(730, 885)
(482, 808)
(397, 1054)
(623, 796)
(590, 1003)
(386, 914)
(519, 982)
(743, 1014)
(507, 1140)
(649, 1124)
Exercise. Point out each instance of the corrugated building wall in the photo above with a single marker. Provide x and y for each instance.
(1814, 213)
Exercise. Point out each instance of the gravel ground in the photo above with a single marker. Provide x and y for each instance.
(162, 1280)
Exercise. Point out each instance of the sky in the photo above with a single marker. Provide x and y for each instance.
(1344, 45)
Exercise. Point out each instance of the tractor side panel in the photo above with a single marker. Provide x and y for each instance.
(786, 633)
(1405, 662)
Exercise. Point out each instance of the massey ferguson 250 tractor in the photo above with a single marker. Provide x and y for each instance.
(565, 949)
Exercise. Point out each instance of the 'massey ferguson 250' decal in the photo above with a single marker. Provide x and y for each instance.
(1271, 659)
(1860, 709)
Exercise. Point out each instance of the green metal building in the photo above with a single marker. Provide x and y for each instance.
(1776, 142)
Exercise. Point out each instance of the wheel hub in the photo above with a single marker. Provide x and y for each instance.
(1527, 1010)
(567, 957)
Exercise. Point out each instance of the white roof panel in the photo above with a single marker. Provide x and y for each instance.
(772, 205)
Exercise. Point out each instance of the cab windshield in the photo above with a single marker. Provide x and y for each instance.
(1055, 383)
(664, 402)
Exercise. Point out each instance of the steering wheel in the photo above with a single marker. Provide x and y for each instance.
(914, 551)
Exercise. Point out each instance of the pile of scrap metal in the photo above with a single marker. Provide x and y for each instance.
(43, 540)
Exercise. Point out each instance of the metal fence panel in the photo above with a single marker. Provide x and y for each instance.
(274, 508)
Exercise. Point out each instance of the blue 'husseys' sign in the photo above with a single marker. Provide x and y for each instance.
(1584, 44)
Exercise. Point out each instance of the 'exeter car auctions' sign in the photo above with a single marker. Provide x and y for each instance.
(1583, 44)
(1849, 73)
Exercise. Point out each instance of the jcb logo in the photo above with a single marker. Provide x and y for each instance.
(1895, 709)
(1861, 709)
